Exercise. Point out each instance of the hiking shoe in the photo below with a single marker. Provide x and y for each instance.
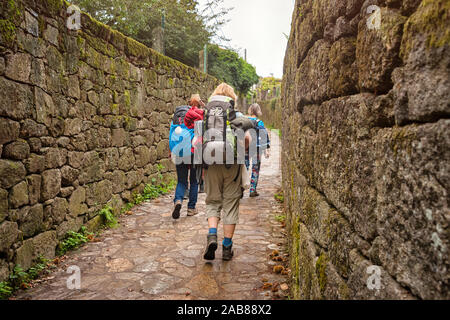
(192, 212)
(176, 210)
(227, 253)
(211, 247)
(254, 194)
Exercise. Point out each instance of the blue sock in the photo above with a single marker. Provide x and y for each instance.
(212, 230)
(227, 242)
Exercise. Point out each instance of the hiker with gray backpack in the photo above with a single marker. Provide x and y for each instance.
(224, 134)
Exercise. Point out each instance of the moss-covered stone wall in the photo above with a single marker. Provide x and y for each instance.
(84, 122)
(271, 110)
(366, 149)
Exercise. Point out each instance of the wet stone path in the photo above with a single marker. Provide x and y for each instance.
(151, 256)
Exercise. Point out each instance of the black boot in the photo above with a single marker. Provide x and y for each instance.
(211, 247)
(227, 253)
(176, 210)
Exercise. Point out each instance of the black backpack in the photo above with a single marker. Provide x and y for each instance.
(180, 113)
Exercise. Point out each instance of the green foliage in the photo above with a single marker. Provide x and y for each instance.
(151, 191)
(269, 83)
(273, 104)
(227, 66)
(279, 197)
(280, 218)
(5, 290)
(20, 278)
(321, 271)
(186, 28)
(107, 213)
(73, 240)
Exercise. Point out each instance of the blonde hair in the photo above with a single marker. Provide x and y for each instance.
(225, 90)
(195, 100)
(255, 110)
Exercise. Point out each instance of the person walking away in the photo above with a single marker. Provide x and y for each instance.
(196, 104)
(262, 145)
(223, 183)
(181, 135)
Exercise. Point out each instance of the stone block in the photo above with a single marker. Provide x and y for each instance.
(16, 100)
(8, 234)
(11, 173)
(77, 204)
(377, 51)
(32, 222)
(18, 67)
(9, 130)
(34, 188)
(51, 184)
(18, 195)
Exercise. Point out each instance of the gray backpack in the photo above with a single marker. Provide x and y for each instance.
(219, 141)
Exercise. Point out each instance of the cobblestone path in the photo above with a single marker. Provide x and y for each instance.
(151, 256)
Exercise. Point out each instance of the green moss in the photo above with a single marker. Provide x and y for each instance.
(7, 32)
(321, 271)
(113, 67)
(344, 291)
(402, 139)
(42, 24)
(136, 49)
(14, 11)
(115, 97)
(53, 6)
(431, 20)
(114, 108)
(309, 206)
(102, 46)
(294, 258)
(127, 99)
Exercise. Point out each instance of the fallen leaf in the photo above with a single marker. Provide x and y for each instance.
(267, 286)
(284, 287)
(278, 269)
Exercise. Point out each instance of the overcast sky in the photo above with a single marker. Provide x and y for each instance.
(258, 26)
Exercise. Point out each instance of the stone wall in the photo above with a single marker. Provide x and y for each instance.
(366, 137)
(84, 122)
(271, 110)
